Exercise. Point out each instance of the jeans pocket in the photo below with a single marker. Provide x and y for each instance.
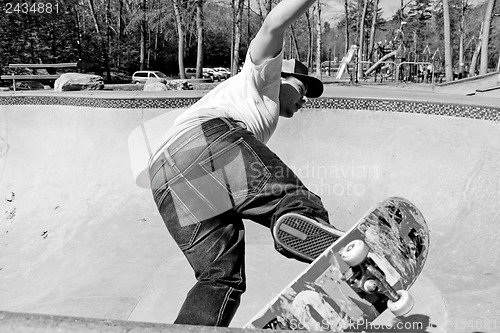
(237, 170)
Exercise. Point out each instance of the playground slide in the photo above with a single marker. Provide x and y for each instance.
(345, 60)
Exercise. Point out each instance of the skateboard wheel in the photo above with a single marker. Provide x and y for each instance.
(401, 306)
(355, 252)
(370, 286)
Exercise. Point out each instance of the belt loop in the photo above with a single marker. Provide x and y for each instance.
(227, 122)
(232, 123)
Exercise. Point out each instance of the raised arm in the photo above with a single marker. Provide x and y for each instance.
(269, 40)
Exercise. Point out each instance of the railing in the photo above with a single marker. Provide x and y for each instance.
(397, 72)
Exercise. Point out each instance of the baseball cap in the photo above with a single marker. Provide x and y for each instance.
(295, 68)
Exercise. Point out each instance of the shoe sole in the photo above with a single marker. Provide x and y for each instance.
(303, 236)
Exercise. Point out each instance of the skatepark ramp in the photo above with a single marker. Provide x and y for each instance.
(79, 238)
(11, 322)
(493, 91)
(470, 85)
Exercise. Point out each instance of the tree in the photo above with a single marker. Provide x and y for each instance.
(166, 35)
(102, 39)
(318, 38)
(180, 33)
(199, 25)
(293, 36)
(465, 6)
(347, 23)
(448, 65)
(483, 68)
(361, 32)
(144, 35)
(237, 23)
(477, 50)
(310, 41)
(375, 17)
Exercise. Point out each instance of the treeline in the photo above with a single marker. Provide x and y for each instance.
(121, 36)
(110, 36)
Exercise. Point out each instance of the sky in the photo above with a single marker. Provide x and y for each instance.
(334, 10)
(389, 7)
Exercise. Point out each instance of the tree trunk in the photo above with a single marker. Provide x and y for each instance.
(233, 33)
(53, 48)
(101, 38)
(199, 26)
(295, 43)
(237, 37)
(483, 68)
(144, 37)
(78, 33)
(119, 33)
(371, 42)
(269, 4)
(108, 40)
(180, 32)
(346, 10)
(143, 41)
(448, 65)
(142, 52)
(318, 39)
(310, 40)
(249, 39)
(362, 39)
(261, 12)
(477, 50)
(462, 39)
(94, 17)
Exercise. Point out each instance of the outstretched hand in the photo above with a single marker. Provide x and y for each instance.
(269, 39)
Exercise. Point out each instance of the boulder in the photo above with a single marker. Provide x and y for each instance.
(161, 85)
(78, 81)
(155, 85)
(179, 85)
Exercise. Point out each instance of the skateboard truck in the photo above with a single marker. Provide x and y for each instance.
(365, 276)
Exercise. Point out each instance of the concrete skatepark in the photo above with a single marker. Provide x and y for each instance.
(79, 238)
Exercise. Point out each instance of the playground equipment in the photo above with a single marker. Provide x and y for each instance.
(346, 60)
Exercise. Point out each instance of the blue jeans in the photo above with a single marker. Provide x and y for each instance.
(204, 184)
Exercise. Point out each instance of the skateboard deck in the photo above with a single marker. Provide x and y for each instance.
(341, 290)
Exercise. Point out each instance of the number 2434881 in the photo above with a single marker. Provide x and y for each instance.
(31, 8)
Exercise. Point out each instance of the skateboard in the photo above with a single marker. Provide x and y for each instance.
(365, 272)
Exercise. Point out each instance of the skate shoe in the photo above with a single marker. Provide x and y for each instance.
(304, 237)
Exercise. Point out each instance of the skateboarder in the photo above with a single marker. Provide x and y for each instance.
(214, 170)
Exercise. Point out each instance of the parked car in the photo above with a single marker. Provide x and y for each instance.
(216, 76)
(191, 73)
(226, 73)
(143, 76)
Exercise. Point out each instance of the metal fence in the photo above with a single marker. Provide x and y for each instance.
(387, 71)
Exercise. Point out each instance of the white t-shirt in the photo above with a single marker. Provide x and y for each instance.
(251, 96)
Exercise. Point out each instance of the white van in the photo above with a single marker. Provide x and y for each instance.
(143, 76)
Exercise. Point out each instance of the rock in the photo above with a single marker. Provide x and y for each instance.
(155, 85)
(179, 85)
(78, 81)
(160, 85)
